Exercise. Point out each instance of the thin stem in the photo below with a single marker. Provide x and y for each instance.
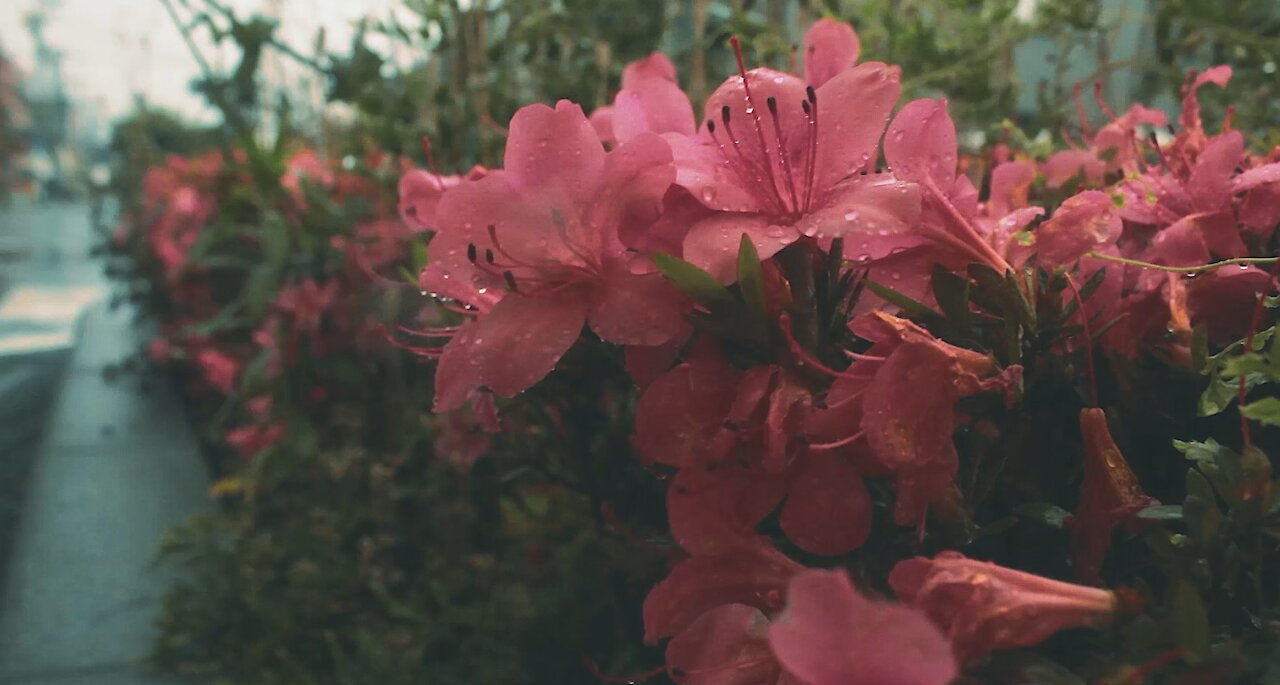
(1183, 269)
(1088, 339)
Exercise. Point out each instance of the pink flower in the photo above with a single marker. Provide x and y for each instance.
(535, 249)
(754, 574)
(306, 302)
(983, 607)
(1109, 495)
(908, 406)
(305, 166)
(221, 371)
(831, 634)
(420, 193)
(251, 440)
(779, 159)
(159, 350)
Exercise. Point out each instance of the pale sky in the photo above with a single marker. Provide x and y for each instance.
(116, 48)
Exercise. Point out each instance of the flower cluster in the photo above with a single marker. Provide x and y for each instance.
(761, 264)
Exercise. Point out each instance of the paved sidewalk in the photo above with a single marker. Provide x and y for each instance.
(115, 470)
(97, 484)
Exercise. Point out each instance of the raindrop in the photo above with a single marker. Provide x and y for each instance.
(897, 276)
(864, 258)
(852, 215)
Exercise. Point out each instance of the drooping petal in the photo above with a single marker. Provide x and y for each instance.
(712, 244)
(558, 146)
(853, 109)
(727, 645)
(921, 143)
(830, 47)
(755, 576)
(828, 508)
(1259, 175)
(522, 339)
(831, 634)
(1260, 212)
(457, 374)
(632, 309)
(1223, 300)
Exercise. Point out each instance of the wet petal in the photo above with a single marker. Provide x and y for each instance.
(630, 309)
(1082, 223)
(522, 339)
(830, 47)
(853, 109)
(653, 106)
(921, 143)
(877, 215)
(559, 145)
(712, 244)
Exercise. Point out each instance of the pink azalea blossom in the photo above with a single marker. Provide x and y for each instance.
(779, 157)
(1109, 495)
(535, 249)
(249, 441)
(983, 607)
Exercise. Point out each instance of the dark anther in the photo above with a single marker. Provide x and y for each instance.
(772, 103)
(724, 114)
(804, 104)
(711, 126)
(488, 255)
(812, 95)
(510, 278)
(471, 252)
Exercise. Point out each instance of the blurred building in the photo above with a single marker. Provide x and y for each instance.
(15, 121)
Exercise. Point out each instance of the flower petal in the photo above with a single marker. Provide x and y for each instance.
(831, 634)
(631, 309)
(712, 244)
(520, 341)
(681, 412)
(830, 47)
(828, 508)
(921, 143)
(755, 576)
(652, 106)
(558, 145)
(725, 646)
(853, 109)
(877, 215)
(1210, 182)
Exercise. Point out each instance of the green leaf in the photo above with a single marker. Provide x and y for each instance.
(1200, 348)
(419, 252)
(908, 305)
(1208, 451)
(1216, 397)
(751, 277)
(1162, 512)
(1265, 411)
(1049, 514)
(694, 282)
(952, 293)
(1200, 509)
(1190, 622)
